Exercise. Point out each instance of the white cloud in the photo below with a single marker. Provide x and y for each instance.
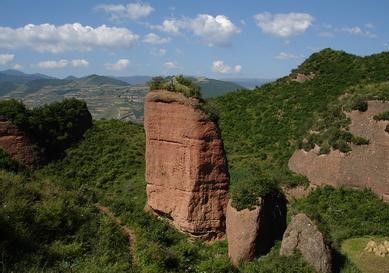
(6, 58)
(284, 24)
(220, 67)
(131, 11)
(171, 65)
(285, 56)
(53, 64)
(51, 38)
(171, 26)
(153, 38)
(17, 66)
(158, 52)
(80, 63)
(118, 65)
(214, 30)
(358, 31)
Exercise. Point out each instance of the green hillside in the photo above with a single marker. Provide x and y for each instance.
(262, 128)
(214, 88)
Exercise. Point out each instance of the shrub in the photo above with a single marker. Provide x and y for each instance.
(382, 116)
(247, 186)
(54, 127)
(179, 84)
(360, 105)
(14, 111)
(358, 140)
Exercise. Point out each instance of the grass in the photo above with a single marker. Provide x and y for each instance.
(367, 262)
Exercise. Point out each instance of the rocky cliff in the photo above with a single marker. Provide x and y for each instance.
(186, 167)
(366, 166)
(17, 144)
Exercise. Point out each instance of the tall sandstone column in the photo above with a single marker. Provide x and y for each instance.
(186, 167)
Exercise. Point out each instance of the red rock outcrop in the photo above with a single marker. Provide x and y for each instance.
(15, 142)
(366, 166)
(186, 168)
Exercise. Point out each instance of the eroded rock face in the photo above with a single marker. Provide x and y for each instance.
(251, 233)
(366, 166)
(15, 142)
(302, 234)
(186, 168)
(243, 229)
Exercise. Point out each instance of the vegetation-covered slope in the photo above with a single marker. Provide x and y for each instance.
(50, 223)
(262, 128)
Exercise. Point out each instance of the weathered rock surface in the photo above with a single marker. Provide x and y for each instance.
(243, 228)
(366, 166)
(186, 168)
(15, 142)
(251, 233)
(302, 234)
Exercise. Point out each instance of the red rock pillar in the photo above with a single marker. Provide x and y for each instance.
(186, 167)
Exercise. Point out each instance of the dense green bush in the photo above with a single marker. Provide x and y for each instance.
(7, 163)
(382, 116)
(54, 127)
(360, 105)
(176, 84)
(248, 186)
(15, 111)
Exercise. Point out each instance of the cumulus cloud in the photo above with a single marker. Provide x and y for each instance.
(131, 11)
(217, 31)
(79, 63)
(51, 38)
(283, 24)
(214, 30)
(171, 65)
(171, 26)
(358, 31)
(54, 64)
(220, 67)
(153, 38)
(6, 58)
(120, 64)
(285, 56)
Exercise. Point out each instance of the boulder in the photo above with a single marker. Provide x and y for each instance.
(186, 167)
(371, 246)
(17, 144)
(302, 235)
(386, 244)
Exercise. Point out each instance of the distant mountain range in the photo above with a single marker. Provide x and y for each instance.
(106, 96)
(249, 83)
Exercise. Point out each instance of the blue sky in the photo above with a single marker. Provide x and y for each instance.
(218, 39)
